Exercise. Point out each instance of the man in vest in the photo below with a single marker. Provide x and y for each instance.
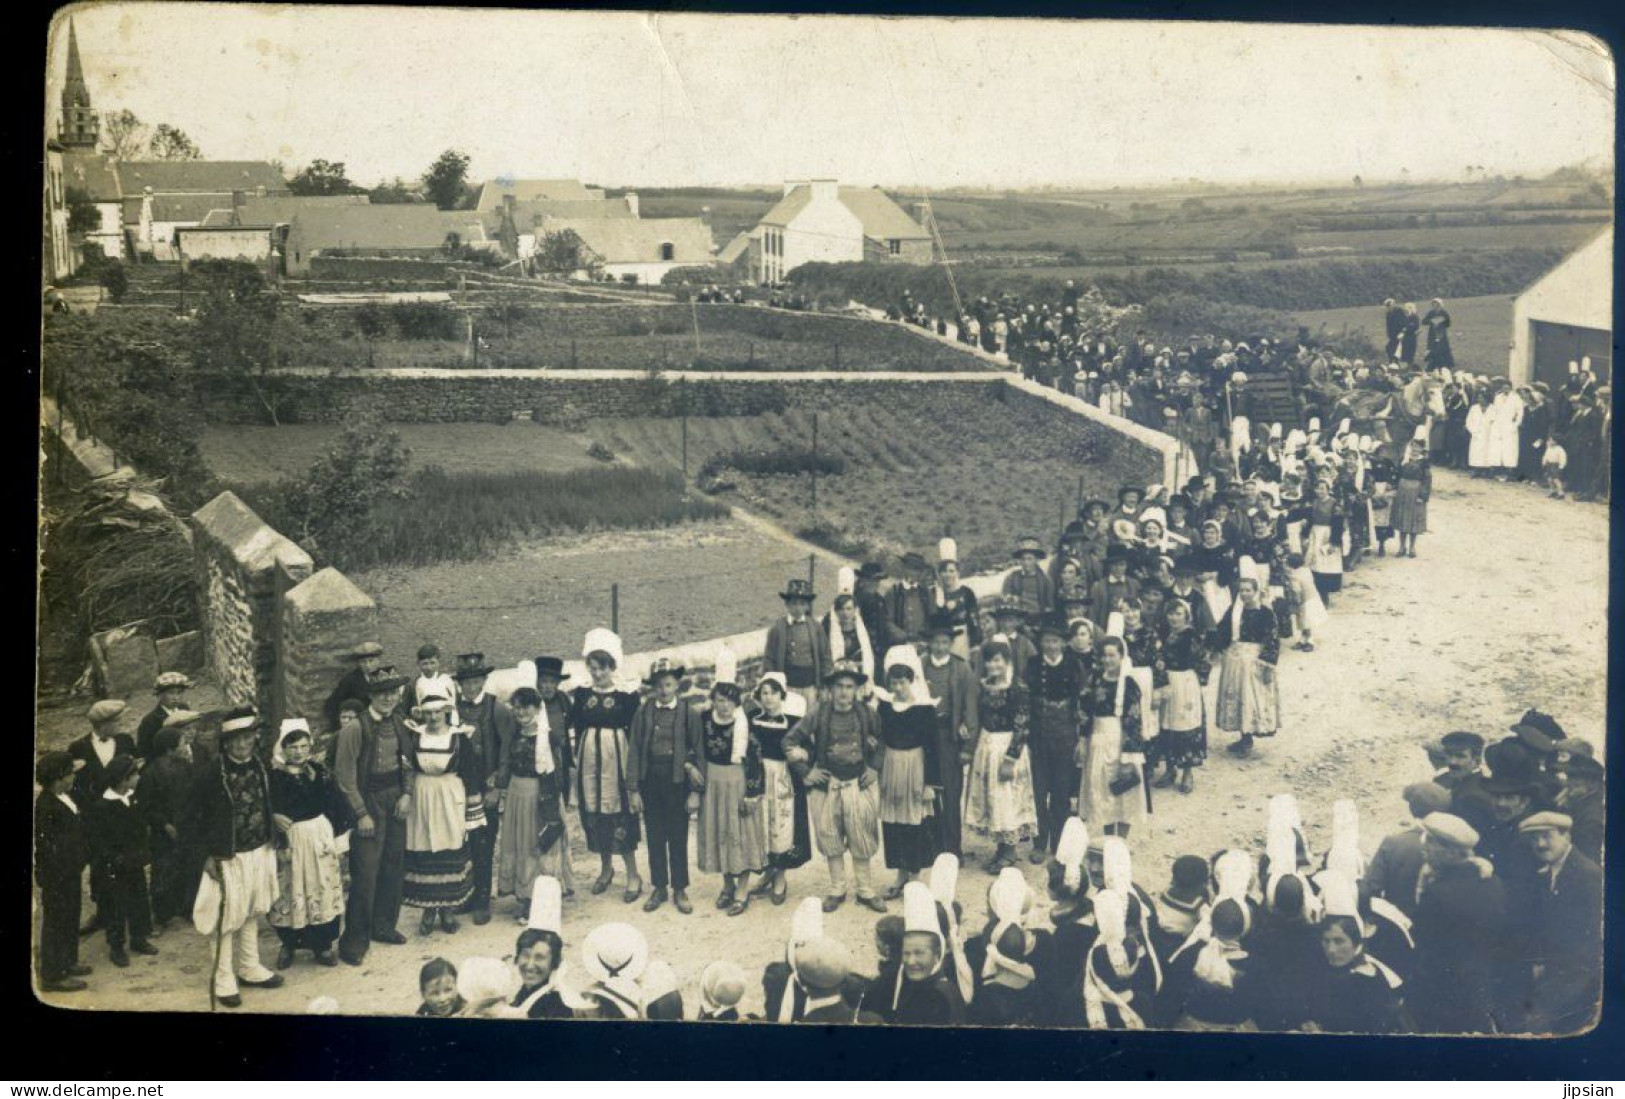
(367, 765)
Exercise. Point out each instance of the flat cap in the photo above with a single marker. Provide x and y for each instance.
(1425, 798)
(1545, 822)
(1451, 829)
(108, 709)
(822, 965)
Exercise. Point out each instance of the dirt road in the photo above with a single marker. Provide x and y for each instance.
(1504, 609)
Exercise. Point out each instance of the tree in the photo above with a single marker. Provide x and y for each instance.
(1358, 182)
(123, 134)
(237, 327)
(171, 143)
(322, 177)
(332, 507)
(393, 192)
(565, 253)
(83, 216)
(446, 178)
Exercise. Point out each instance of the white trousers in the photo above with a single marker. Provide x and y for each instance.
(239, 959)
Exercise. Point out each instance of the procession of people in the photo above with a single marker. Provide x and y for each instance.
(916, 725)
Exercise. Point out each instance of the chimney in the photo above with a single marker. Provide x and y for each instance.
(792, 184)
(632, 202)
(824, 189)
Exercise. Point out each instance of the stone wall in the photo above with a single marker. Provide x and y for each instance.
(323, 619)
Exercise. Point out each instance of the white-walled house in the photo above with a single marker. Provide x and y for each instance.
(1566, 315)
(819, 221)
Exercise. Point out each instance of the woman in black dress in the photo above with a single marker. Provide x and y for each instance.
(1352, 993)
(910, 779)
(784, 796)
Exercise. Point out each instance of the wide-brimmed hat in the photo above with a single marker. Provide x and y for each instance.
(1510, 780)
(798, 589)
(941, 622)
(1029, 546)
(846, 669)
(1126, 489)
(472, 666)
(239, 721)
(664, 665)
(1539, 731)
(384, 679)
(1052, 622)
(615, 952)
(366, 649)
(871, 570)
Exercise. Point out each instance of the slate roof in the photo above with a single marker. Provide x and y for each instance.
(634, 240)
(92, 173)
(531, 190)
(882, 218)
(407, 226)
(199, 176)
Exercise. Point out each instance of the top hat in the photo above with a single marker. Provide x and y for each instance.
(798, 589)
(472, 666)
(552, 666)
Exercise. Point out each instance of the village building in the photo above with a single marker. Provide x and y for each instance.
(819, 221)
(406, 229)
(56, 256)
(497, 191)
(1566, 316)
(638, 250)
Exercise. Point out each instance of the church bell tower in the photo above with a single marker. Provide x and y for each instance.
(81, 126)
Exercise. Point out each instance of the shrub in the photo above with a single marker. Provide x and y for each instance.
(424, 321)
(780, 460)
(601, 452)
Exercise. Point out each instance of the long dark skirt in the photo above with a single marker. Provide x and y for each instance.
(438, 879)
(610, 833)
(911, 847)
(319, 936)
(949, 822)
(176, 868)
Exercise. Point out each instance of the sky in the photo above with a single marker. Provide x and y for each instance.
(623, 98)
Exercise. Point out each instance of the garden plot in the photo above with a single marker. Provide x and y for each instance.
(1480, 328)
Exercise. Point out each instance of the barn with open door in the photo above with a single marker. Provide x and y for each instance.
(1567, 315)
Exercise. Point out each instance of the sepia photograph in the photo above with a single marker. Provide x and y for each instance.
(1066, 524)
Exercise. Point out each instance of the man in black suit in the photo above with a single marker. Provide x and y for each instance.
(60, 854)
(367, 656)
(1566, 956)
(96, 750)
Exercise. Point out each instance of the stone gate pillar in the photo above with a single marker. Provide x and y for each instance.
(323, 618)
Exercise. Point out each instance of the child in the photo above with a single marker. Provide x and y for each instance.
(601, 718)
(119, 844)
(1183, 663)
(730, 829)
(431, 680)
(60, 854)
(165, 787)
(350, 711)
(437, 983)
(1308, 612)
(1556, 460)
(722, 986)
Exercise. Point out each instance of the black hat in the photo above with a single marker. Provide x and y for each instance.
(1539, 731)
(550, 666)
(871, 570)
(1074, 530)
(1117, 552)
(1029, 546)
(1052, 623)
(1007, 607)
(472, 666)
(1180, 500)
(1514, 781)
(1126, 489)
(846, 669)
(1094, 502)
(730, 691)
(385, 679)
(941, 622)
(120, 769)
(797, 589)
(55, 765)
(664, 665)
(241, 720)
(1462, 741)
(915, 562)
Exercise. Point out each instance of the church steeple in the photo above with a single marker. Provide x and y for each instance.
(81, 126)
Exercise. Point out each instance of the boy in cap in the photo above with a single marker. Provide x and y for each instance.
(796, 647)
(1027, 587)
(61, 852)
(96, 751)
(120, 847)
(1566, 918)
(837, 751)
(170, 688)
(823, 966)
(367, 765)
(494, 726)
(431, 681)
(365, 659)
(666, 732)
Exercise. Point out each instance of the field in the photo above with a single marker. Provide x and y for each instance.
(1479, 328)
(677, 585)
(244, 454)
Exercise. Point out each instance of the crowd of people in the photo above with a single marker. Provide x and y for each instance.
(907, 723)
(1198, 389)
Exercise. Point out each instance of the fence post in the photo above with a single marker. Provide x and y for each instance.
(750, 353)
(685, 448)
(837, 356)
(572, 354)
(812, 567)
(815, 469)
(615, 608)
